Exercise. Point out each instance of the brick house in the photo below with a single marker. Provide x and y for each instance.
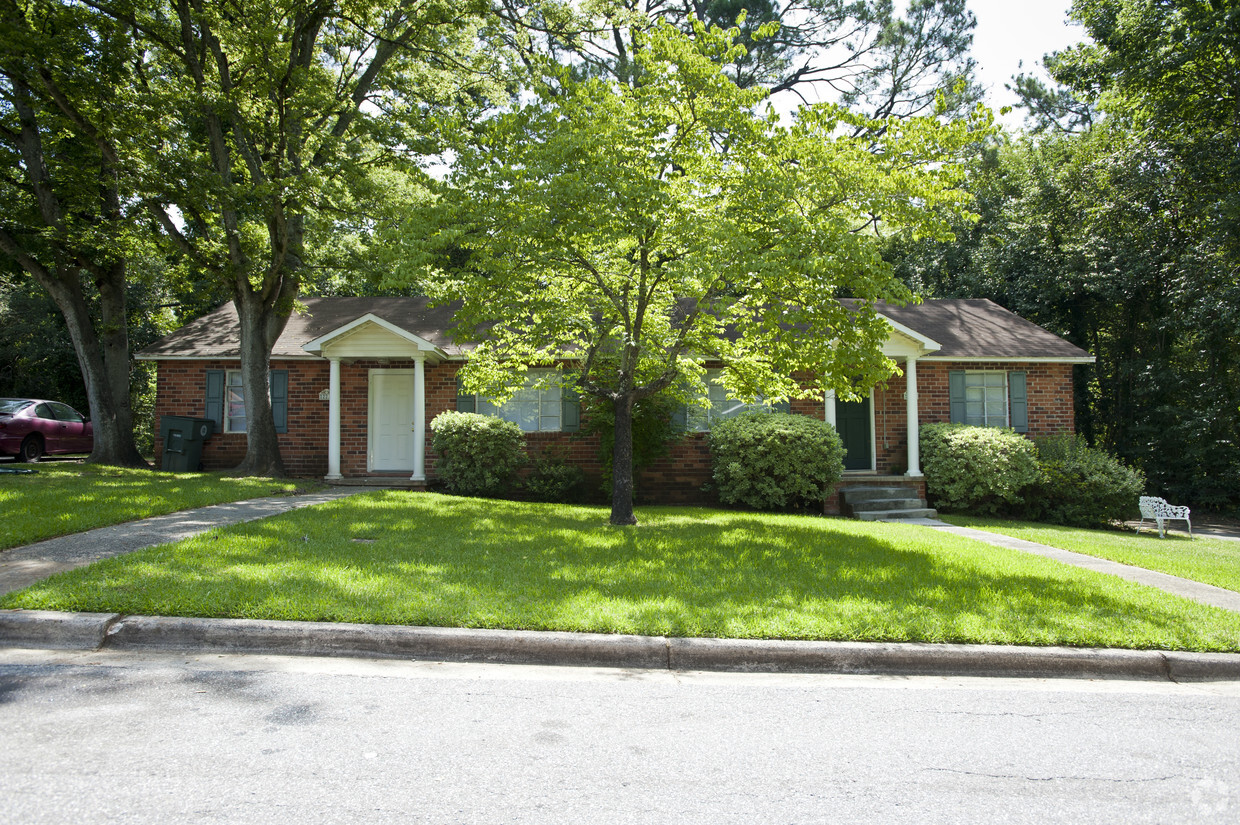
(356, 381)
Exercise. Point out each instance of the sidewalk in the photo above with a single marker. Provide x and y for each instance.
(23, 566)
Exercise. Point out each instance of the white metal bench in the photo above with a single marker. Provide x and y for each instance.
(1160, 512)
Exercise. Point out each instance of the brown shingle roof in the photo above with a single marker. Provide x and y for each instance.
(218, 334)
(980, 328)
(966, 328)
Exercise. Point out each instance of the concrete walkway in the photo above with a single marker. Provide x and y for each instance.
(1198, 592)
(23, 566)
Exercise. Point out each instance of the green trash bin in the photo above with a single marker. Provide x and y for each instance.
(183, 438)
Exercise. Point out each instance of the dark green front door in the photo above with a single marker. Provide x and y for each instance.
(852, 420)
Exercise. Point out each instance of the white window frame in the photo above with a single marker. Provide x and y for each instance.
(547, 402)
(700, 417)
(229, 388)
(986, 419)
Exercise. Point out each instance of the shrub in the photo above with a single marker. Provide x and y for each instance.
(1081, 486)
(977, 469)
(479, 455)
(554, 479)
(775, 461)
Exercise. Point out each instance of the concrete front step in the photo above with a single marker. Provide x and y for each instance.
(887, 504)
(895, 515)
(852, 495)
(401, 481)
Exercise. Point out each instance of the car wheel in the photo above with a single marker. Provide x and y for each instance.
(32, 448)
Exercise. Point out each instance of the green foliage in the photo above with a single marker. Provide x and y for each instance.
(775, 461)
(553, 479)
(1081, 486)
(479, 455)
(1093, 236)
(977, 469)
(654, 431)
(885, 58)
(601, 221)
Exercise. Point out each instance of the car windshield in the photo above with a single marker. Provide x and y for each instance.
(10, 406)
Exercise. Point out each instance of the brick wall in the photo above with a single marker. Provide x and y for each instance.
(181, 389)
(1049, 388)
(678, 477)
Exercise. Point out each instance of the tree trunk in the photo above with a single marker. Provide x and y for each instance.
(622, 463)
(260, 327)
(105, 368)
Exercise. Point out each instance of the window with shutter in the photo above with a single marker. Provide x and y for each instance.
(533, 408)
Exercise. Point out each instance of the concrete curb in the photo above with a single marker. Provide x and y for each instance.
(49, 629)
(92, 631)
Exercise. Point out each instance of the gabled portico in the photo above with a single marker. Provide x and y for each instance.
(396, 394)
(904, 346)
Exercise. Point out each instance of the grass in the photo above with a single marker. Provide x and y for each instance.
(421, 559)
(1212, 561)
(65, 498)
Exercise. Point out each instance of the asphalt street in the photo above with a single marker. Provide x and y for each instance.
(109, 736)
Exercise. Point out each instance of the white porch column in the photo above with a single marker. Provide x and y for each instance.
(830, 410)
(910, 397)
(419, 418)
(333, 421)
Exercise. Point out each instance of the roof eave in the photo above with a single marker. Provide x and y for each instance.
(1036, 359)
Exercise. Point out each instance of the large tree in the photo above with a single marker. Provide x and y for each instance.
(68, 190)
(1170, 69)
(265, 120)
(865, 54)
(1090, 235)
(637, 229)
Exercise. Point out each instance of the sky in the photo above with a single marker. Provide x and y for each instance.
(1011, 31)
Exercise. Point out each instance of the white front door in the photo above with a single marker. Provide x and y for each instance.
(391, 420)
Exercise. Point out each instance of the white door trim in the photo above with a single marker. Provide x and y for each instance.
(370, 420)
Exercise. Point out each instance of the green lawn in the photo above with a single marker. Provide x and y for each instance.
(61, 498)
(422, 559)
(1212, 561)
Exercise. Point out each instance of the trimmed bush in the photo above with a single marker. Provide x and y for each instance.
(775, 461)
(1081, 486)
(479, 455)
(981, 470)
(553, 479)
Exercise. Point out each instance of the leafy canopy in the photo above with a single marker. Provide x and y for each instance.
(641, 228)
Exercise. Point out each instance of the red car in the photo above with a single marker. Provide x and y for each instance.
(30, 427)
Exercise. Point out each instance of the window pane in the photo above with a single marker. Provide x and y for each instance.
(525, 413)
(531, 408)
(986, 399)
(234, 403)
(65, 412)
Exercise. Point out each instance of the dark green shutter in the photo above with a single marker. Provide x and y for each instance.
(955, 394)
(784, 406)
(1018, 402)
(279, 399)
(570, 410)
(465, 402)
(215, 398)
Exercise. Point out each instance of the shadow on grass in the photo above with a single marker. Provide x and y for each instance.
(398, 558)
